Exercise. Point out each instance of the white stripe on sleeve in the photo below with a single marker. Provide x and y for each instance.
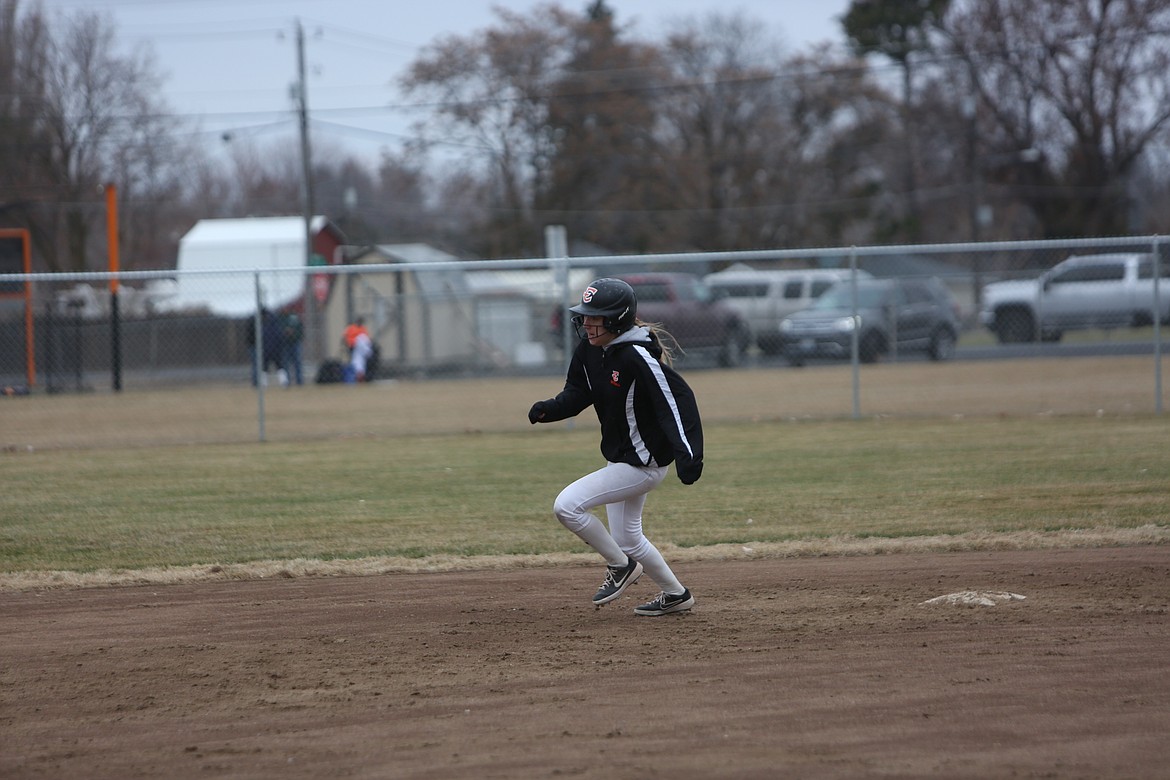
(664, 386)
(636, 440)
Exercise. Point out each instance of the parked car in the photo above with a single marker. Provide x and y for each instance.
(685, 307)
(902, 314)
(764, 298)
(1091, 291)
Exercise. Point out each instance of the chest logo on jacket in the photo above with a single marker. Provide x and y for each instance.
(615, 380)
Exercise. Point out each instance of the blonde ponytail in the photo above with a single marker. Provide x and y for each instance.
(664, 339)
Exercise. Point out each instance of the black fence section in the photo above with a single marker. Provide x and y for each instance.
(75, 353)
(14, 341)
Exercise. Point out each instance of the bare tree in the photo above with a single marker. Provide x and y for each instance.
(267, 180)
(773, 151)
(710, 140)
(407, 207)
(22, 45)
(85, 116)
(843, 183)
(726, 125)
(604, 179)
(1082, 85)
(488, 94)
(898, 29)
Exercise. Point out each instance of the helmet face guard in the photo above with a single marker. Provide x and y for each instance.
(578, 321)
(612, 299)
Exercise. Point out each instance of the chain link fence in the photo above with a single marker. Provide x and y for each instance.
(1009, 303)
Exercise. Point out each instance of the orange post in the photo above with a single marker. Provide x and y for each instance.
(115, 316)
(112, 233)
(30, 351)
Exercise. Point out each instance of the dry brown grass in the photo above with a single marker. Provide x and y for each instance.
(804, 548)
(218, 414)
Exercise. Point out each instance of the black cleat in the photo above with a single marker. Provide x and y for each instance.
(617, 579)
(665, 603)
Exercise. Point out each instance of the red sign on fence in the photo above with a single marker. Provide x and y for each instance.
(321, 287)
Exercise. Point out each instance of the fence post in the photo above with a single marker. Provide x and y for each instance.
(564, 299)
(1157, 269)
(556, 249)
(258, 354)
(111, 192)
(854, 341)
(50, 354)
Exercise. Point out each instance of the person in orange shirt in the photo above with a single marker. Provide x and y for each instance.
(358, 326)
(361, 347)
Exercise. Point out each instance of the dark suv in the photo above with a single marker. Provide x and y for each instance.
(902, 314)
(688, 310)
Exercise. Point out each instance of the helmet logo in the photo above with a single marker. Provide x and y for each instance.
(587, 296)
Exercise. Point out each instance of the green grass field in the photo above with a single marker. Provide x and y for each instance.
(490, 494)
(449, 473)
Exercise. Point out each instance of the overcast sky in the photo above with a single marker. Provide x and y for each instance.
(229, 64)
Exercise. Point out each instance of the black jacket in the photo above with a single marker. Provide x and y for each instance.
(647, 411)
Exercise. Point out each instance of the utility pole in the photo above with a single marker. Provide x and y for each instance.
(312, 315)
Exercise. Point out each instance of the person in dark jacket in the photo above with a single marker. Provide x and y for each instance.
(272, 337)
(649, 419)
(293, 337)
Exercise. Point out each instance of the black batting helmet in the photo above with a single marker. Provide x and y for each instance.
(612, 299)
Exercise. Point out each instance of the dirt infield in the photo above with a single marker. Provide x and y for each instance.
(813, 667)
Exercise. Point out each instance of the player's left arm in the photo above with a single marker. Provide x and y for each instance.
(678, 417)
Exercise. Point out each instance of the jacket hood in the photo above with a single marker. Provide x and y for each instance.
(640, 334)
(636, 334)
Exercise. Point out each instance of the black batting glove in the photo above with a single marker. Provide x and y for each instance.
(689, 473)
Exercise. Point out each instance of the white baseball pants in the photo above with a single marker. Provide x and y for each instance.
(622, 488)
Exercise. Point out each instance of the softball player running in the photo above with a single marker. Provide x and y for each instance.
(649, 419)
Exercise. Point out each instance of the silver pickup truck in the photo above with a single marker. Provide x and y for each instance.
(1106, 291)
